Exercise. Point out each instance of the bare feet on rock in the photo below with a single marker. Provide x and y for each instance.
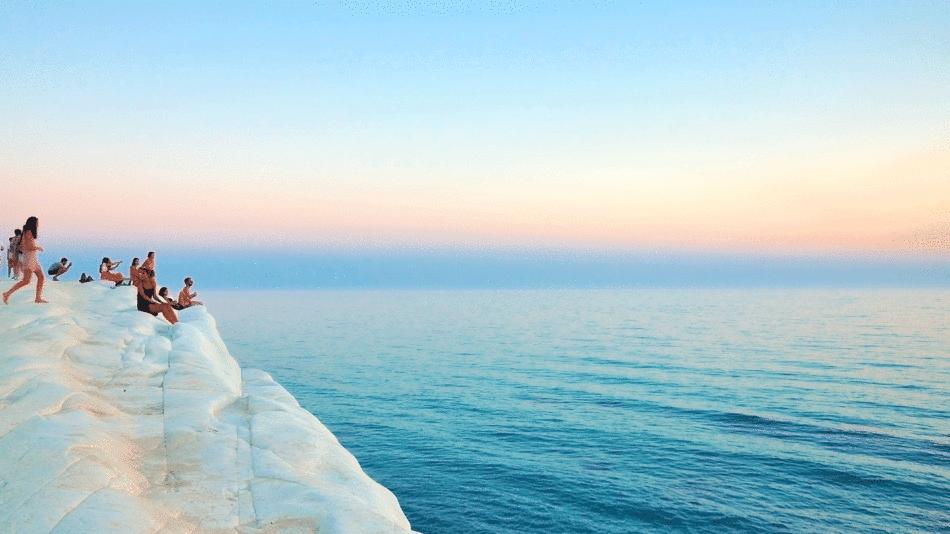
(41, 301)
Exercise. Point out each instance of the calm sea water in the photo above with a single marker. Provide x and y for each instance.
(622, 411)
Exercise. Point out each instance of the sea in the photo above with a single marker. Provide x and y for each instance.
(615, 411)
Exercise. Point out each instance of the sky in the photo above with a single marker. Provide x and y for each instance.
(746, 129)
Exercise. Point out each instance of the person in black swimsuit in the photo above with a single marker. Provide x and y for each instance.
(146, 297)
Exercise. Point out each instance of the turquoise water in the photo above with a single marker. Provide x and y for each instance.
(622, 411)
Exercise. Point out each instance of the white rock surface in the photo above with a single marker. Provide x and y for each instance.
(114, 421)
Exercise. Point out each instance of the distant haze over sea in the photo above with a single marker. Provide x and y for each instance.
(341, 270)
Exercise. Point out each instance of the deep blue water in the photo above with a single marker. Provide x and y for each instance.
(623, 411)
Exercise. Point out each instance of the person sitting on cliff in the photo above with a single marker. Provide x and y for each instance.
(185, 296)
(146, 301)
(164, 297)
(59, 269)
(85, 278)
(134, 272)
(105, 271)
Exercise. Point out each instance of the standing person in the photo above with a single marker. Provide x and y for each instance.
(29, 264)
(105, 271)
(149, 262)
(13, 255)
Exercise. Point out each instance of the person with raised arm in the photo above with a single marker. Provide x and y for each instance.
(29, 264)
(185, 296)
(105, 271)
(146, 297)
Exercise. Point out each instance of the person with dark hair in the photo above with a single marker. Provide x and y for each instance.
(185, 296)
(85, 278)
(58, 269)
(149, 262)
(146, 297)
(13, 256)
(163, 294)
(29, 264)
(134, 272)
(105, 272)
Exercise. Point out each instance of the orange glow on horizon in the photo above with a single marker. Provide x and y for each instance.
(900, 204)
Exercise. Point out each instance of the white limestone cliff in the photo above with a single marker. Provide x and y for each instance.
(114, 421)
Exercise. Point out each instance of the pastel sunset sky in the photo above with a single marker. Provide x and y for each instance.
(764, 127)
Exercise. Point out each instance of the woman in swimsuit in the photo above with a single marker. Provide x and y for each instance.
(105, 272)
(163, 294)
(146, 297)
(134, 272)
(29, 264)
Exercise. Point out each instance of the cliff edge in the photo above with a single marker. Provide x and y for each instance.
(114, 421)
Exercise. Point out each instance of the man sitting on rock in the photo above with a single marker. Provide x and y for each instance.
(185, 296)
(59, 269)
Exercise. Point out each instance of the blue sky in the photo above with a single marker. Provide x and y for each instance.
(743, 128)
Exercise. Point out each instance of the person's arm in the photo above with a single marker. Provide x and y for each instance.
(28, 244)
(155, 298)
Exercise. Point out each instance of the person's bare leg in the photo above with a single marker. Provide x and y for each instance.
(40, 280)
(170, 314)
(26, 281)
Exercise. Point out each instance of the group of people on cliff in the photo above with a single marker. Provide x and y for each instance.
(22, 261)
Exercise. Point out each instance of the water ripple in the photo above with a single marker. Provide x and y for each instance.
(629, 411)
